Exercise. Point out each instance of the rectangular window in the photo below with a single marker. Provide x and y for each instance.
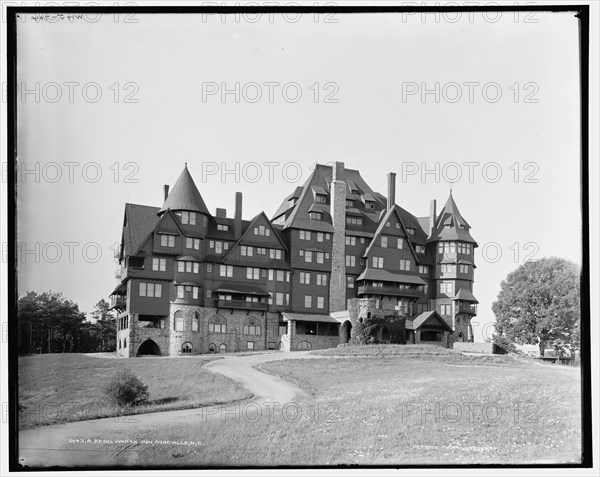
(320, 257)
(249, 344)
(279, 275)
(180, 291)
(279, 299)
(305, 278)
(350, 240)
(308, 256)
(350, 260)
(159, 264)
(349, 203)
(410, 231)
(218, 247)
(195, 292)
(445, 310)
(151, 290)
(316, 215)
(464, 268)
(209, 267)
(369, 205)
(378, 262)
(226, 271)
(193, 243)
(350, 282)
(321, 199)
(321, 302)
(275, 254)
(441, 247)
(322, 279)
(384, 241)
(180, 266)
(271, 276)
(208, 293)
(400, 243)
(447, 288)
(307, 301)
(404, 264)
(327, 236)
(287, 299)
(270, 300)
(223, 227)
(423, 269)
(305, 235)
(319, 236)
(252, 273)
(420, 249)
(167, 240)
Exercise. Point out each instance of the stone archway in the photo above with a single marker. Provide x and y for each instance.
(148, 348)
(345, 332)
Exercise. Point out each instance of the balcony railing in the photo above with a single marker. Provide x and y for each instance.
(242, 304)
(390, 290)
(468, 309)
(118, 301)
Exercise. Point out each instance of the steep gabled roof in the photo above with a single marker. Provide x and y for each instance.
(298, 215)
(250, 227)
(428, 317)
(458, 228)
(138, 222)
(185, 195)
(408, 221)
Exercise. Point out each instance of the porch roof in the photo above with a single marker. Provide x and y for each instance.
(428, 317)
(308, 317)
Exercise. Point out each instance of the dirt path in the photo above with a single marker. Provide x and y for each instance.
(49, 446)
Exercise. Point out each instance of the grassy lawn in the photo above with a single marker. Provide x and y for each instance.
(55, 388)
(396, 405)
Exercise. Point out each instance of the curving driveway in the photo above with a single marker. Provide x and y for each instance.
(48, 446)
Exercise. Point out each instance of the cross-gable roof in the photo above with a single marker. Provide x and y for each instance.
(138, 222)
(427, 318)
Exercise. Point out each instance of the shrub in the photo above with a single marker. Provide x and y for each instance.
(126, 389)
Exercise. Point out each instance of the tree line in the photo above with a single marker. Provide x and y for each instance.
(50, 323)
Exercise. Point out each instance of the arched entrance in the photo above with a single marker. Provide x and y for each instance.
(148, 348)
(385, 335)
(345, 332)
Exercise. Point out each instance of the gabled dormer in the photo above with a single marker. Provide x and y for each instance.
(260, 242)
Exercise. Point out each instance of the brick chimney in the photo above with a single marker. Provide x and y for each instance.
(337, 283)
(391, 198)
(237, 219)
(432, 217)
(166, 189)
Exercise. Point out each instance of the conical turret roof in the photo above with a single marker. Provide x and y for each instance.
(185, 195)
(451, 225)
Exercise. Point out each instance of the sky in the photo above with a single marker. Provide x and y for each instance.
(111, 108)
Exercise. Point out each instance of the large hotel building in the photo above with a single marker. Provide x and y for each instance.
(336, 253)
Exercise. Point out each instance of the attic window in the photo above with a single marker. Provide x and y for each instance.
(316, 216)
(354, 220)
(321, 199)
(262, 231)
(223, 227)
(369, 205)
(411, 231)
(349, 203)
(420, 249)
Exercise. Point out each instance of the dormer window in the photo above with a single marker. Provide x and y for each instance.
(420, 249)
(349, 203)
(411, 231)
(321, 199)
(447, 226)
(223, 227)
(316, 216)
(354, 220)
(188, 218)
(369, 205)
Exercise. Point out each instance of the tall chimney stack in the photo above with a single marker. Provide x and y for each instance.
(166, 189)
(337, 282)
(432, 217)
(391, 198)
(237, 219)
